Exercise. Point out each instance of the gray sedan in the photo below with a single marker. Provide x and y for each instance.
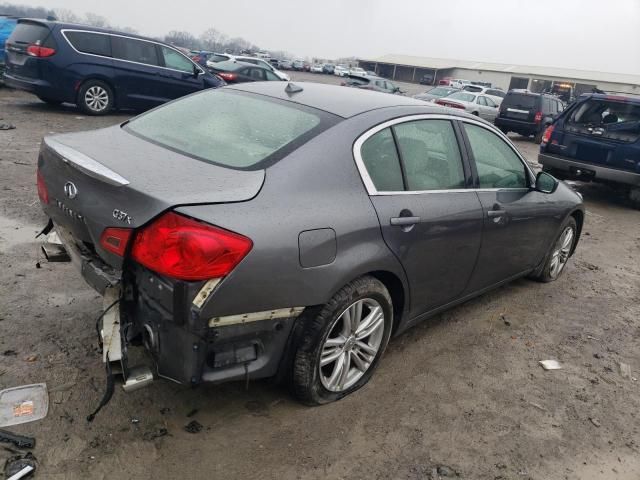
(291, 230)
(477, 104)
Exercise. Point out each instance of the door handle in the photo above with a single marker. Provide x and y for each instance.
(495, 213)
(404, 221)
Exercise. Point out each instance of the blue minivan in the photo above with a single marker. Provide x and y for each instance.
(597, 138)
(99, 69)
(7, 24)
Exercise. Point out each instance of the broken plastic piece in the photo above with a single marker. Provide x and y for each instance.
(550, 364)
(138, 377)
(19, 466)
(19, 441)
(23, 404)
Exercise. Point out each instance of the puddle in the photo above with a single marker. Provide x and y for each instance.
(13, 232)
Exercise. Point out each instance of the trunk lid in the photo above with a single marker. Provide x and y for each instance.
(520, 106)
(110, 178)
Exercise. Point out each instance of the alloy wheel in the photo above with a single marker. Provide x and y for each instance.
(96, 98)
(352, 345)
(561, 253)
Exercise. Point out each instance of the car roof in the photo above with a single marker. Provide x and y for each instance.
(341, 101)
(231, 65)
(613, 96)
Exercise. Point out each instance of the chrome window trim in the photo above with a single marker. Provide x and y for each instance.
(368, 183)
(64, 34)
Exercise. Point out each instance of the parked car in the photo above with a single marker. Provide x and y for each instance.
(224, 273)
(328, 68)
(316, 68)
(596, 139)
(357, 71)
(341, 70)
(474, 103)
(371, 73)
(496, 94)
(298, 65)
(218, 57)
(235, 71)
(285, 65)
(527, 113)
(368, 82)
(7, 24)
(263, 63)
(98, 69)
(435, 93)
(427, 79)
(459, 83)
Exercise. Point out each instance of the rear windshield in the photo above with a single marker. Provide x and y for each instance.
(617, 120)
(31, 33)
(230, 128)
(465, 97)
(521, 100)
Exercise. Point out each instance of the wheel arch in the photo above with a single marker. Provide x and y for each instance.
(578, 216)
(396, 289)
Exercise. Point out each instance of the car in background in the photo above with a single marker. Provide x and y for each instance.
(263, 63)
(7, 24)
(234, 71)
(298, 65)
(214, 58)
(226, 275)
(285, 65)
(328, 68)
(474, 103)
(427, 79)
(597, 138)
(368, 82)
(341, 70)
(528, 113)
(459, 83)
(435, 93)
(495, 93)
(316, 68)
(99, 69)
(357, 71)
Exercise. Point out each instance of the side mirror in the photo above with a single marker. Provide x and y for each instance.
(196, 71)
(546, 183)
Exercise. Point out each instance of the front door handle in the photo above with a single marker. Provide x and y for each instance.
(404, 221)
(495, 213)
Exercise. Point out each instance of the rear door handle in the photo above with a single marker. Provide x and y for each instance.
(404, 221)
(495, 213)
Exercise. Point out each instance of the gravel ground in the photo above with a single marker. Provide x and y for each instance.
(462, 392)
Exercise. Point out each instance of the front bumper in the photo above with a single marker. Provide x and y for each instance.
(588, 171)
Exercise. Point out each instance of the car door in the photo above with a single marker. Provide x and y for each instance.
(178, 74)
(417, 179)
(136, 66)
(519, 222)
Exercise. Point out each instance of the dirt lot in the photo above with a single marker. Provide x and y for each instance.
(463, 390)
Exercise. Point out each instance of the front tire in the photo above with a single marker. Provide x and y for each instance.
(559, 253)
(95, 98)
(340, 347)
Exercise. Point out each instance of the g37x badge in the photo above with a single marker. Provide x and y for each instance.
(122, 216)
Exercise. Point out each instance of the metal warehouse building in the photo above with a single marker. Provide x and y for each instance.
(406, 68)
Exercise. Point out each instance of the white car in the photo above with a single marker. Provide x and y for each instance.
(316, 68)
(218, 57)
(459, 82)
(341, 70)
(495, 93)
(358, 71)
(477, 104)
(263, 63)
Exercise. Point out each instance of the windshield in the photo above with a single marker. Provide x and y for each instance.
(229, 128)
(465, 97)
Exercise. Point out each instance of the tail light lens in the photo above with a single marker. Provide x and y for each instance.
(227, 76)
(183, 248)
(547, 134)
(538, 117)
(115, 240)
(43, 193)
(38, 51)
(450, 104)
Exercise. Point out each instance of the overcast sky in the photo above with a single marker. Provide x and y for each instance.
(585, 34)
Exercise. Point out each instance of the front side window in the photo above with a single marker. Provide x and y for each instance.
(87, 42)
(176, 61)
(134, 50)
(381, 160)
(482, 101)
(430, 155)
(497, 164)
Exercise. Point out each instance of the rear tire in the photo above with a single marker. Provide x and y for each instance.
(95, 98)
(336, 356)
(538, 136)
(50, 101)
(559, 253)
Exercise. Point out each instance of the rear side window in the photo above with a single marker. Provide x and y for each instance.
(430, 155)
(31, 33)
(497, 164)
(135, 50)
(230, 128)
(496, 93)
(520, 100)
(87, 42)
(218, 58)
(381, 161)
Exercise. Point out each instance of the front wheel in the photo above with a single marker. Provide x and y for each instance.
(95, 98)
(560, 252)
(340, 347)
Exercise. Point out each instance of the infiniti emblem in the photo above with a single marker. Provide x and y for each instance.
(70, 190)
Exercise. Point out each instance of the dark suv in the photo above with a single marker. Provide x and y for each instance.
(98, 69)
(597, 138)
(527, 113)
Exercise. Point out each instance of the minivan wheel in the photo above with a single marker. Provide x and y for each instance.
(340, 347)
(95, 97)
(559, 253)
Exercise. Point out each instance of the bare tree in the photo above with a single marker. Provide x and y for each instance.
(96, 20)
(182, 39)
(66, 15)
(209, 39)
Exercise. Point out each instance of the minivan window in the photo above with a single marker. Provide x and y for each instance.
(176, 61)
(381, 160)
(88, 42)
(30, 33)
(134, 50)
(228, 128)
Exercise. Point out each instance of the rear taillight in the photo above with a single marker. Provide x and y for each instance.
(38, 51)
(547, 134)
(227, 76)
(183, 248)
(115, 240)
(43, 193)
(538, 117)
(450, 104)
